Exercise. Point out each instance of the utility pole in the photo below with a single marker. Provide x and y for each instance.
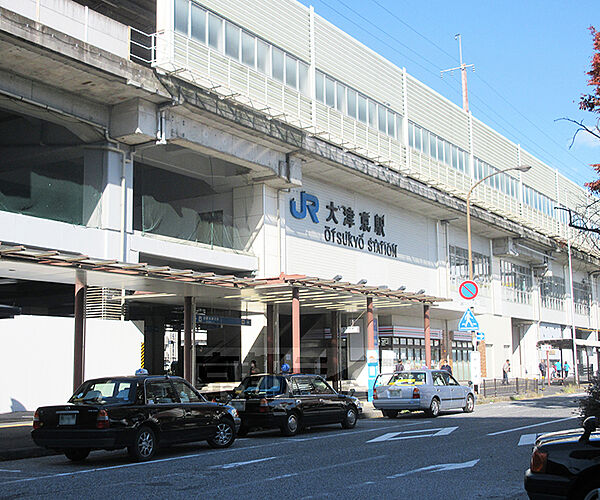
(463, 73)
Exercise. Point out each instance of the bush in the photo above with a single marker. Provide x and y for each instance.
(590, 405)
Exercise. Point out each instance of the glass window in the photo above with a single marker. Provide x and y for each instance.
(351, 103)
(302, 386)
(232, 41)
(262, 384)
(277, 63)
(215, 32)
(425, 141)
(391, 124)
(198, 23)
(303, 78)
(438, 379)
(440, 150)
(181, 16)
(321, 387)
(461, 160)
(362, 108)
(291, 72)
(433, 145)
(418, 142)
(340, 97)
(186, 393)
(372, 114)
(408, 378)
(447, 155)
(262, 57)
(411, 135)
(382, 119)
(248, 49)
(319, 87)
(160, 392)
(329, 92)
(105, 391)
(455, 157)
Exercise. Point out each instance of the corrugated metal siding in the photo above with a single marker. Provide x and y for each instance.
(438, 115)
(541, 177)
(493, 148)
(347, 60)
(281, 22)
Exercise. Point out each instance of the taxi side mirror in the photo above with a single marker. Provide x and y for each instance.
(590, 424)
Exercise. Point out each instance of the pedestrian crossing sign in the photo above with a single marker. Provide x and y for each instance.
(468, 322)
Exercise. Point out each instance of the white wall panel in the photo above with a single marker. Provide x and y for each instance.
(493, 148)
(352, 63)
(437, 114)
(541, 177)
(284, 23)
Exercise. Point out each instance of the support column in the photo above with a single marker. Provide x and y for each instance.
(270, 338)
(187, 339)
(370, 325)
(334, 364)
(79, 338)
(427, 331)
(295, 329)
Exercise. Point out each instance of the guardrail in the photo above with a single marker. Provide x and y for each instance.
(500, 387)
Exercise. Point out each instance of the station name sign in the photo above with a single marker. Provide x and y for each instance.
(343, 226)
(222, 320)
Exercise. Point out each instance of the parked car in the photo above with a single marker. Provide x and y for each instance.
(292, 402)
(566, 464)
(139, 413)
(429, 390)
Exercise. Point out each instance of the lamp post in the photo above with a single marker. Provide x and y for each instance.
(520, 168)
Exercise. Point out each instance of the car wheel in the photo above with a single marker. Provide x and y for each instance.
(77, 454)
(589, 491)
(470, 405)
(224, 435)
(390, 413)
(350, 419)
(291, 425)
(434, 408)
(144, 445)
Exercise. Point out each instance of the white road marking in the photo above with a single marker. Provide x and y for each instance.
(233, 465)
(527, 439)
(420, 433)
(438, 468)
(532, 425)
(285, 442)
(10, 470)
(275, 478)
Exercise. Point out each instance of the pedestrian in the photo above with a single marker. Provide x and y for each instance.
(566, 368)
(285, 369)
(445, 366)
(542, 367)
(558, 369)
(400, 365)
(505, 370)
(253, 368)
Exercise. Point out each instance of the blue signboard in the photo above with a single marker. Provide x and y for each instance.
(468, 322)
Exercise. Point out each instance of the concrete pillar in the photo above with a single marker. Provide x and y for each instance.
(79, 338)
(333, 359)
(188, 326)
(271, 338)
(370, 324)
(427, 332)
(295, 329)
(154, 347)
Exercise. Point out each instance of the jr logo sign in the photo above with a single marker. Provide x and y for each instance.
(309, 203)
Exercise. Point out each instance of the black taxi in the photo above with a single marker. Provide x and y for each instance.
(292, 402)
(139, 413)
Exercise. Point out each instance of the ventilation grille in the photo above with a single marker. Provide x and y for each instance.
(99, 303)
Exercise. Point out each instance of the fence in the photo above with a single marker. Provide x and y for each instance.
(498, 387)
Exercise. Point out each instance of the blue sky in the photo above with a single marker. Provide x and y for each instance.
(530, 57)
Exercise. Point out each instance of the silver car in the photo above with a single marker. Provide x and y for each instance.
(429, 390)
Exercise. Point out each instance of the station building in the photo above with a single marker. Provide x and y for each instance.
(191, 185)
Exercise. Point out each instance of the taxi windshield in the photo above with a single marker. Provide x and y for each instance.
(408, 378)
(104, 391)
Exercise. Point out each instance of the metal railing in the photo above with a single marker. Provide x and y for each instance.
(507, 387)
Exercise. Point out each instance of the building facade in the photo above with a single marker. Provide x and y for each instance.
(255, 139)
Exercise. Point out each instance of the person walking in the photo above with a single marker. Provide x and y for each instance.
(253, 367)
(445, 366)
(558, 369)
(505, 371)
(400, 366)
(542, 367)
(566, 368)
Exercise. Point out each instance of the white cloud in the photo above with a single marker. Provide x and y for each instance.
(586, 140)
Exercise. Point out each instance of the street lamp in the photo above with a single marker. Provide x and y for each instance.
(520, 168)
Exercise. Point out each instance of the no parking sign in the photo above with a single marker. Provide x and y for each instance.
(468, 290)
